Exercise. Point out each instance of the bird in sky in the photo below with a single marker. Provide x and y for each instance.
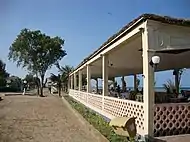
(109, 13)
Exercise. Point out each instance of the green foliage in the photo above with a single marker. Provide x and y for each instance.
(54, 78)
(138, 82)
(178, 74)
(115, 84)
(32, 80)
(3, 74)
(36, 52)
(169, 86)
(97, 121)
(64, 71)
(14, 82)
(9, 89)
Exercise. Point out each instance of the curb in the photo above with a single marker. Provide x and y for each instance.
(96, 134)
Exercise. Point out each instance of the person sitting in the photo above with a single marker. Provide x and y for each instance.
(185, 94)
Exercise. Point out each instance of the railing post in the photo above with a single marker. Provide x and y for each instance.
(75, 81)
(88, 81)
(105, 78)
(80, 80)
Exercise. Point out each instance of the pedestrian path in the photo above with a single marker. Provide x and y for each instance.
(47, 119)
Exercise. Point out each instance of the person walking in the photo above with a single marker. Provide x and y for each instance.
(24, 87)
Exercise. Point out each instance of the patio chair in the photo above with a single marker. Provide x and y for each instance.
(186, 94)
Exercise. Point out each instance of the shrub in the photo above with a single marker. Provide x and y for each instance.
(97, 121)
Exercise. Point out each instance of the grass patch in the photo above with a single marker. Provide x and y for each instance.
(96, 120)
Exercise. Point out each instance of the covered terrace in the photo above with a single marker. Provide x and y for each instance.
(129, 52)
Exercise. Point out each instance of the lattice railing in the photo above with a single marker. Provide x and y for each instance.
(95, 100)
(120, 107)
(78, 95)
(112, 106)
(172, 119)
(82, 96)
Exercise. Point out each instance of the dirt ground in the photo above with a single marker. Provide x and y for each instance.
(48, 119)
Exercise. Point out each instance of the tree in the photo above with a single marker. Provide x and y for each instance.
(36, 52)
(3, 73)
(169, 86)
(54, 78)
(65, 71)
(14, 82)
(32, 81)
(123, 83)
(178, 74)
(137, 84)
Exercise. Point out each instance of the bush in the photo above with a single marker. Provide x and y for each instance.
(97, 121)
(9, 89)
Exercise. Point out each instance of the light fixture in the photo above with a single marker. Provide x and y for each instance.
(155, 61)
(110, 64)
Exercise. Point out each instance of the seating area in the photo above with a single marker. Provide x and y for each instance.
(160, 97)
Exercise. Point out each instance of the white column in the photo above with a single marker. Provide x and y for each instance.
(104, 78)
(75, 81)
(71, 82)
(80, 80)
(148, 82)
(88, 79)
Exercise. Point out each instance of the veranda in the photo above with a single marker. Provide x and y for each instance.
(129, 52)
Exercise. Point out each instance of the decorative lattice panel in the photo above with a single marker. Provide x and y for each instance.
(95, 100)
(82, 96)
(171, 119)
(71, 92)
(113, 106)
(120, 107)
(78, 95)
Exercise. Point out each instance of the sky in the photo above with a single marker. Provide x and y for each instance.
(84, 24)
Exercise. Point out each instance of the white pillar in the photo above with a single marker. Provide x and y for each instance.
(88, 79)
(75, 81)
(80, 80)
(148, 82)
(71, 81)
(104, 78)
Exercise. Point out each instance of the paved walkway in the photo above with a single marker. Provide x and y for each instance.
(48, 119)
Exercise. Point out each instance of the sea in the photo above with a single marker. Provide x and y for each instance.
(157, 89)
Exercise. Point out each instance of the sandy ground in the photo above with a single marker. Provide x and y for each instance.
(48, 119)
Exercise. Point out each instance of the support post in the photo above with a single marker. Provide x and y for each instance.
(69, 83)
(75, 81)
(88, 79)
(148, 82)
(80, 80)
(104, 78)
(72, 82)
(135, 82)
(96, 85)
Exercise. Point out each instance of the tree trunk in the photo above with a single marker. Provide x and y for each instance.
(122, 80)
(38, 89)
(37, 85)
(42, 85)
